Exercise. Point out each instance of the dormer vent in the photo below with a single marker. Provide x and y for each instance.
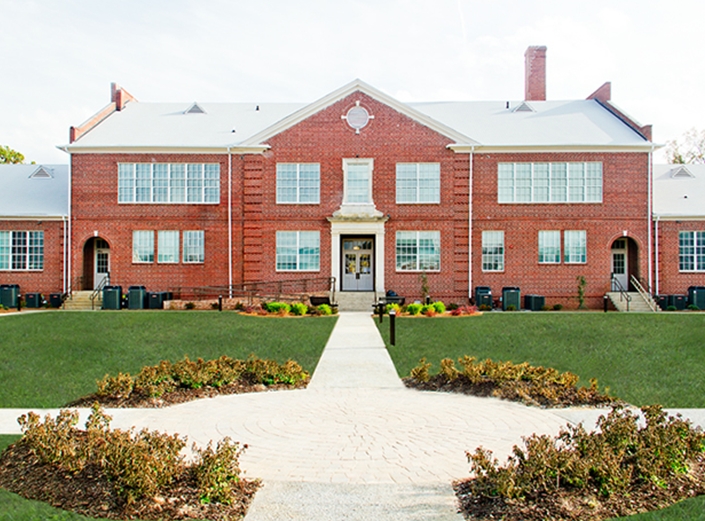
(681, 172)
(41, 173)
(523, 107)
(195, 109)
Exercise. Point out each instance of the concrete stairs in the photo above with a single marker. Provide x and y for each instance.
(81, 301)
(638, 303)
(356, 300)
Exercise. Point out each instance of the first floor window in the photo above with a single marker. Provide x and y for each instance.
(493, 251)
(168, 247)
(418, 251)
(298, 251)
(22, 250)
(143, 246)
(549, 247)
(691, 251)
(194, 246)
(575, 246)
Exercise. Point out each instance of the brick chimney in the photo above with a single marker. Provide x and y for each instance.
(535, 73)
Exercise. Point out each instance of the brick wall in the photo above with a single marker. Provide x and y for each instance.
(50, 279)
(671, 280)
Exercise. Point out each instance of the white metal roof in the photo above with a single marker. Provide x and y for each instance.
(28, 195)
(562, 124)
(680, 195)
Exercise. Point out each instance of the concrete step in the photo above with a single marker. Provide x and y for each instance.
(81, 301)
(636, 305)
(356, 300)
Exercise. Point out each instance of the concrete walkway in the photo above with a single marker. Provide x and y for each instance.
(356, 444)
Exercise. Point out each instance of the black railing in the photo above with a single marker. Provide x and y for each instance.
(99, 288)
(623, 293)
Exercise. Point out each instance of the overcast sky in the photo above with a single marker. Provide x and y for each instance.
(60, 56)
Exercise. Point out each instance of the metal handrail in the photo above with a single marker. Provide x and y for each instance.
(623, 294)
(292, 290)
(99, 288)
(76, 283)
(644, 294)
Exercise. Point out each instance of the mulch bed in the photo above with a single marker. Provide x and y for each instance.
(89, 493)
(567, 505)
(529, 393)
(136, 400)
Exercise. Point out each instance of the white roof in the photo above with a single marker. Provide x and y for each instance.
(34, 191)
(583, 123)
(679, 191)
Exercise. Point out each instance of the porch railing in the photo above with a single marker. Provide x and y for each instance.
(623, 293)
(644, 294)
(99, 288)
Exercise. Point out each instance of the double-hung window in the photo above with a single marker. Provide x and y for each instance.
(577, 182)
(418, 183)
(192, 183)
(298, 251)
(549, 247)
(691, 251)
(298, 183)
(575, 246)
(167, 247)
(22, 250)
(194, 247)
(418, 251)
(493, 251)
(142, 246)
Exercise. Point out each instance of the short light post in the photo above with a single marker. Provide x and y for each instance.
(220, 302)
(392, 326)
(380, 311)
(604, 303)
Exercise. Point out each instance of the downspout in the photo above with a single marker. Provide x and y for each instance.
(230, 223)
(658, 292)
(70, 248)
(470, 194)
(650, 217)
(64, 219)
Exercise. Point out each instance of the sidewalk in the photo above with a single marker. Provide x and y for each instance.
(356, 444)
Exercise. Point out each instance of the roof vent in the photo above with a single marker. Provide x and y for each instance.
(195, 109)
(681, 172)
(41, 173)
(523, 107)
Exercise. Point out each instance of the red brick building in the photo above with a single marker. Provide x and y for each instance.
(361, 187)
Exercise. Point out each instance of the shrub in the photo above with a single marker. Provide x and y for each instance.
(190, 305)
(439, 306)
(557, 307)
(464, 310)
(324, 309)
(453, 306)
(277, 308)
(119, 386)
(217, 471)
(693, 307)
(394, 306)
(156, 380)
(414, 309)
(299, 309)
(420, 372)
(485, 307)
(511, 307)
(545, 308)
(671, 308)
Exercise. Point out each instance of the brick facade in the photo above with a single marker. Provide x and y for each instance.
(672, 281)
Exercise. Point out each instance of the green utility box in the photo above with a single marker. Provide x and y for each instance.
(678, 301)
(9, 295)
(112, 296)
(534, 302)
(137, 297)
(696, 296)
(34, 300)
(511, 296)
(483, 296)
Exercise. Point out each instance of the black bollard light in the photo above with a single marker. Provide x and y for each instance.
(604, 303)
(220, 302)
(392, 328)
(380, 311)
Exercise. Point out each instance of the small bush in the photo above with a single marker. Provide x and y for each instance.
(217, 471)
(414, 309)
(394, 306)
(190, 305)
(324, 309)
(277, 308)
(671, 308)
(453, 306)
(464, 310)
(511, 307)
(439, 306)
(693, 307)
(420, 372)
(557, 307)
(299, 309)
(545, 308)
(485, 307)
(119, 386)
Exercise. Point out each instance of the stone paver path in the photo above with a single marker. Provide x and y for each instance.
(356, 444)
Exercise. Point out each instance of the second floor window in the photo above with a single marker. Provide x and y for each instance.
(176, 183)
(298, 183)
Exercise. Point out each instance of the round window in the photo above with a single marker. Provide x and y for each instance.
(357, 117)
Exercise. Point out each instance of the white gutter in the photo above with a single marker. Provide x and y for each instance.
(470, 194)
(656, 245)
(650, 218)
(230, 224)
(63, 286)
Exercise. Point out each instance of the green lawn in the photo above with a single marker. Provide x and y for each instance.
(50, 359)
(643, 358)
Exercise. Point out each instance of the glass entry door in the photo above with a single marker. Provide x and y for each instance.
(102, 262)
(358, 260)
(620, 268)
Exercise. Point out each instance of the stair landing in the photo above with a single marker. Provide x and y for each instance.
(356, 300)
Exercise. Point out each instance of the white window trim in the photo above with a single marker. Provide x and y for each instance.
(504, 252)
(151, 187)
(565, 248)
(134, 252)
(346, 163)
(298, 246)
(560, 249)
(159, 248)
(417, 269)
(694, 255)
(27, 255)
(602, 187)
(183, 247)
(298, 184)
(418, 188)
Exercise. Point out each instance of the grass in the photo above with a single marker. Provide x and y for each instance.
(643, 358)
(690, 509)
(50, 359)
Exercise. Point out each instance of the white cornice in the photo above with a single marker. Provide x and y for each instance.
(345, 91)
(657, 217)
(246, 149)
(57, 218)
(464, 148)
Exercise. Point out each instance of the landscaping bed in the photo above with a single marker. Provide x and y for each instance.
(621, 469)
(118, 474)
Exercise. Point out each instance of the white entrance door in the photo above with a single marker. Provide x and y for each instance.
(358, 272)
(101, 262)
(620, 268)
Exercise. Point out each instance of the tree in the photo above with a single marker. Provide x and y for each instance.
(9, 156)
(689, 148)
